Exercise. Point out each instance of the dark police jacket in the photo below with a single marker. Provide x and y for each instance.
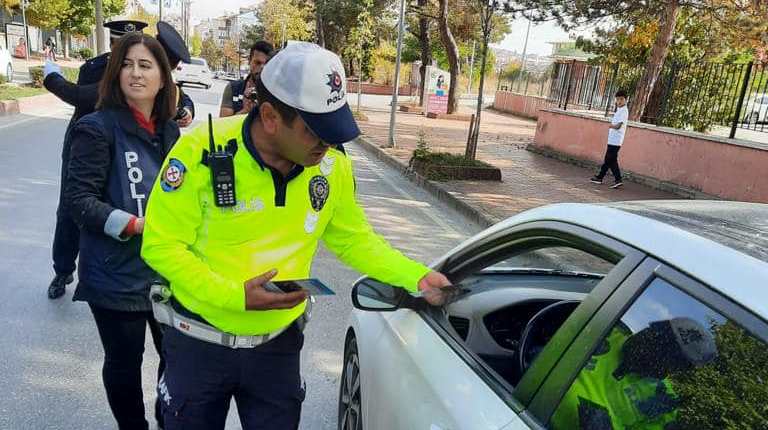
(112, 168)
(238, 92)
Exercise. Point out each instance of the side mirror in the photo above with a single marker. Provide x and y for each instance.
(372, 295)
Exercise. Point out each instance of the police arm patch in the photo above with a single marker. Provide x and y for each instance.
(173, 175)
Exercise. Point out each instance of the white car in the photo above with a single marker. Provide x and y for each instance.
(756, 109)
(643, 315)
(197, 72)
(6, 65)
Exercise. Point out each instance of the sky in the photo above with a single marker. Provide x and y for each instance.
(537, 42)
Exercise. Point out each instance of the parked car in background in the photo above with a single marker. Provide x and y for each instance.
(6, 65)
(756, 109)
(643, 315)
(196, 72)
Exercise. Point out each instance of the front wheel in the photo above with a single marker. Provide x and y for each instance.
(350, 404)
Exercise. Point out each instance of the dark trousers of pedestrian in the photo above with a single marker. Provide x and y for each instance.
(66, 237)
(201, 378)
(611, 162)
(122, 336)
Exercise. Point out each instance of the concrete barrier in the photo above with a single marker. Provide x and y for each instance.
(379, 89)
(727, 168)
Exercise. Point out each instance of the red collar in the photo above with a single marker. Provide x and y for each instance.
(148, 125)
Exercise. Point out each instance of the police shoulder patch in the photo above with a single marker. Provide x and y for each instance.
(173, 175)
(319, 188)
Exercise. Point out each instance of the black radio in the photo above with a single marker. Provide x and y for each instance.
(221, 161)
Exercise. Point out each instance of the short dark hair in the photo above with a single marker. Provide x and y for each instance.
(261, 46)
(621, 93)
(110, 93)
(264, 96)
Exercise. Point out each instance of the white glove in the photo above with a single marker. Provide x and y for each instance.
(50, 67)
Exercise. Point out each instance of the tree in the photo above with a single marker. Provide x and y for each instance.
(47, 13)
(452, 51)
(143, 15)
(231, 55)
(249, 35)
(282, 20)
(81, 16)
(729, 393)
(487, 11)
(573, 13)
(360, 43)
(196, 43)
(211, 53)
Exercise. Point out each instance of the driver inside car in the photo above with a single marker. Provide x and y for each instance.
(626, 383)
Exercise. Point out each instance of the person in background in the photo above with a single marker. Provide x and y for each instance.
(50, 49)
(239, 97)
(116, 155)
(616, 132)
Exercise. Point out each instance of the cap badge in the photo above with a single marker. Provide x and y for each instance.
(130, 27)
(335, 82)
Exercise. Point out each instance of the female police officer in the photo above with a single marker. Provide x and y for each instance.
(117, 152)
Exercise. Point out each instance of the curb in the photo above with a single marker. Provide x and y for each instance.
(656, 184)
(25, 104)
(436, 190)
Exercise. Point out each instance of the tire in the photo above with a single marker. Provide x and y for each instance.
(350, 400)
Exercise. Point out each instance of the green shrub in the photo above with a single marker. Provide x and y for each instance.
(84, 53)
(3, 79)
(36, 74)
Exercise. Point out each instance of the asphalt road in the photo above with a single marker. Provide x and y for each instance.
(50, 369)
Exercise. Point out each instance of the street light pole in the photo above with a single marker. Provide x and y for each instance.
(525, 45)
(24, 4)
(471, 66)
(401, 29)
(160, 14)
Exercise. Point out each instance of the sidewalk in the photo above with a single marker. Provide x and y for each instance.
(21, 66)
(528, 180)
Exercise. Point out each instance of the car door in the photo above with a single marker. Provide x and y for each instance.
(421, 371)
(665, 351)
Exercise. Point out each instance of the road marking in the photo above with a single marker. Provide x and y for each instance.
(424, 209)
(15, 123)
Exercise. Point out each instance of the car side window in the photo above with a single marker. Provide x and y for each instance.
(670, 362)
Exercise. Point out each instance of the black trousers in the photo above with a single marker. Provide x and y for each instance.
(201, 379)
(122, 336)
(611, 162)
(66, 237)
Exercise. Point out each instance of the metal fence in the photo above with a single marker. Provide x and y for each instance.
(696, 97)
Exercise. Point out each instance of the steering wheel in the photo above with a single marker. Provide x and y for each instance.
(540, 329)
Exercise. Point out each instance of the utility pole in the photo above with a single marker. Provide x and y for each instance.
(471, 66)
(160, 15)
(401, 29)
(525, 45)
(100, 48)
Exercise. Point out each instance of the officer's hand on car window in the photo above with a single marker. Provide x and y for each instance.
(430, 286)
(259, 299)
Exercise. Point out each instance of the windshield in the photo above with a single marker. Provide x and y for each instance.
(559, 258)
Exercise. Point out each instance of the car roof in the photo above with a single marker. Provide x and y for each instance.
(716, 242)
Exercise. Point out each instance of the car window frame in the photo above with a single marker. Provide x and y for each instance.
(561, 233)
(560, 379)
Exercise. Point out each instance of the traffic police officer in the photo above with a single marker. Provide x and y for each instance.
(627, 384)
(83, 97)
(291, 189)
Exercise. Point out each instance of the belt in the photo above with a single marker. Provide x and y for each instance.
(164, 313)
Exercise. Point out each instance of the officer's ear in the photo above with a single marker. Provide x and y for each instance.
(270, 118)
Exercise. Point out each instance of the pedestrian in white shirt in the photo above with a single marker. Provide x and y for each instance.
(616, 132)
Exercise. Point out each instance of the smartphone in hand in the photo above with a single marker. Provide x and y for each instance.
(314, 286)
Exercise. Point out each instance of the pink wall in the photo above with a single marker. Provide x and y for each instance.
(386, 90)
(730, 169)
(518, 104)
